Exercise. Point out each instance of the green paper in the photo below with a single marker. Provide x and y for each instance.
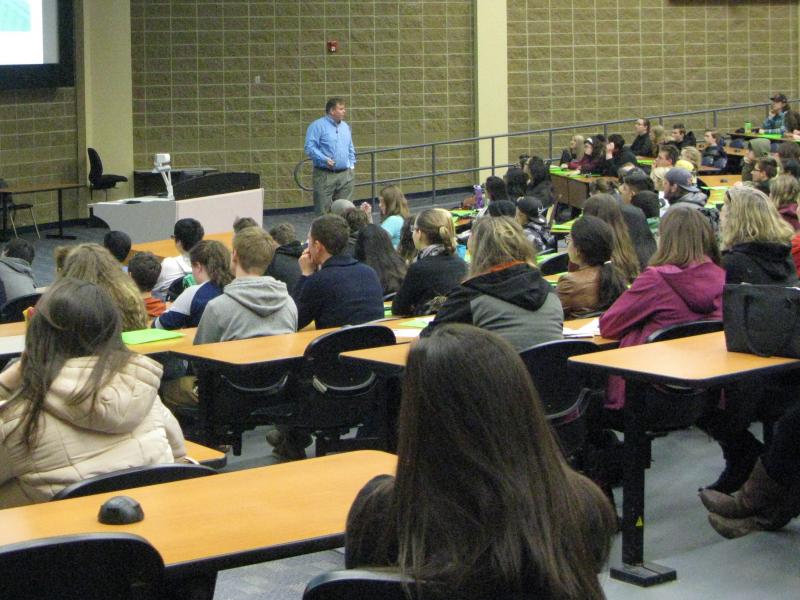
(645, 161)
(387, 312)
(463, 213)
(771, 136)
(417, 323)
(145, 336)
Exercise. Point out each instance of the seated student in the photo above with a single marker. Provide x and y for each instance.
(787, 151)
(516, 182)
(144, 268)
(374, 248)
(693, 156)
(642, 145)
(637, 190)
(784, 191)
(59, 256)
(683, 283)
(253, 304)
(680, 190)
(78, 403)
(774, 122)
(501, 208)
(770, 497)
(659, 137)
(436, 269)
(505, 292)
(482, 503)
(763, 172)
(335, 289)
(626, 256)
(342, 205)
(243, 223)
(756, 241)
(594, 157)
(284, 265)
(757, 148)
(714, 153)
(597, 282)
(211, 269)
(93, 263)
(119, 244)
(665, 160)
(407, 249)
(617, 155)
(186, 233)
(680, 138)
(574, 152)
(394, 210)
(530, 214)
(539, 186)
(356, 220)
(16, 272)
(495, 189)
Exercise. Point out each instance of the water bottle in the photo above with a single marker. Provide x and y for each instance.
(478, 195)
(748, 127)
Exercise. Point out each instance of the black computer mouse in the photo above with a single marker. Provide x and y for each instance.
(120, 510)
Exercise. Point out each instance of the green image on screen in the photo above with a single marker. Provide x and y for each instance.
(15, 15)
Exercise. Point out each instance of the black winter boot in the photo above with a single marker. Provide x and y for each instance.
(741, 453)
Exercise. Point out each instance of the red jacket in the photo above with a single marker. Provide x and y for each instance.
(796, 252)
(659, 297)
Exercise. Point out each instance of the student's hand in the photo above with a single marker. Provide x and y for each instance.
(307, 266)
(11, 378)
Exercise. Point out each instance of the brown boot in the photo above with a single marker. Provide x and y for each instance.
(769, 504)
(733, 528)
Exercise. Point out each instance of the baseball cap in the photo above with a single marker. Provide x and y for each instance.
(681, 178)
(779, 98)
(531, 207)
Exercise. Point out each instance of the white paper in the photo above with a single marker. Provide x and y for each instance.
(591, 329)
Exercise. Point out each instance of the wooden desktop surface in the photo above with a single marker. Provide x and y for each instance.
(204, 454)
(697, 361)
(720, 180)
(165, 248)
(226, 520)
(170, 345)
(9, 329)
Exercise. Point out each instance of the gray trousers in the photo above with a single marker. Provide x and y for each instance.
(330, 186)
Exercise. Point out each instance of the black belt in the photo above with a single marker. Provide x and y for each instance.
(330, 170)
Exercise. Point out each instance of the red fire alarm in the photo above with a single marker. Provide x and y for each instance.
(333, 45)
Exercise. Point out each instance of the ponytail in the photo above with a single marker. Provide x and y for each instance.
(437, 225)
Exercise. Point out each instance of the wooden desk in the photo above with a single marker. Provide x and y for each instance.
(733, 151)
(171, 345)
(700, 361)
(36, 188)
(9, 329)
(206, 456)
(164, 248)
(573, 190)
(223, 521)
(719, 180)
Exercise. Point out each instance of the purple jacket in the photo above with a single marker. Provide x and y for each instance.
(789, 213)
(659, 297)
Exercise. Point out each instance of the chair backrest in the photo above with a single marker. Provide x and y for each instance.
(328, 373)
(95, 165)
(133, 478)
(11, 311)
(547, 365)
(85, 566)
(556, 264)
(359, 584)
(682, 330)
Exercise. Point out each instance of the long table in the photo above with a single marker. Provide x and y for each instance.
(201, 526)
(164, 248)
(5, 195)
(573, 190)
(699, 362)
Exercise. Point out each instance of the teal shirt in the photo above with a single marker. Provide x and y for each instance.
(393, 226)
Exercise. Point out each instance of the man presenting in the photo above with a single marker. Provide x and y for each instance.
(329, 145)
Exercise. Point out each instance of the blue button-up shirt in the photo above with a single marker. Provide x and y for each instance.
(326, 139)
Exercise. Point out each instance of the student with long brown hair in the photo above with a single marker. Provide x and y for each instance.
(78, 403)
(93, 263)
(436, 269)
(374, 248)
(482, 505)
(505, 292)
(683, 283)
(394, 210)
(624, 255)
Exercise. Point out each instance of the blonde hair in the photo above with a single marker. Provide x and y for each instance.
(254, 249)
(579, 149)
(658, 136)
(693, 155)
(498, 240)
(95, 264)
(394, 201)
(751, 217)
(784, 190)
(437, 225)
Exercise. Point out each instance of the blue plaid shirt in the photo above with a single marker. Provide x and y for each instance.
(774, 124)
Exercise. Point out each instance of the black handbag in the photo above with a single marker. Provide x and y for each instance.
(762, 319)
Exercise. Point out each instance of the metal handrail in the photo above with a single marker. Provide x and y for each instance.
(434, 173)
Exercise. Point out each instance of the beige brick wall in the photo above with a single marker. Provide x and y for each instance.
(405, 70)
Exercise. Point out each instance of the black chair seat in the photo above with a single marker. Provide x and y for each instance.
(11, 311)
(97, 179)
(108, 181)
(554, 265)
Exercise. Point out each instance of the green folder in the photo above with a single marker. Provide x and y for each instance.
(463, 213)
(145, 336)
(771, 136)
(645, 161)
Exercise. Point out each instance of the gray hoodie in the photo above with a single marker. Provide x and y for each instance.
(16, 278)
(248, 307)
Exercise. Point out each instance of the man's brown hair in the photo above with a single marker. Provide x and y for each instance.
(254, 249)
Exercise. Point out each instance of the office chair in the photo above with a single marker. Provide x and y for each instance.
(12, 207)
(555, 264)
(97, 179)
(133, 478)
(89, 566)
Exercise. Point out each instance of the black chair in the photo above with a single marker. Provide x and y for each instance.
(555, 264)
(12, 207)
(357, 584)
(82, 567)
(133, 478)
(11, 311)
(99, 180)
(233, 401)
(332, 397)
(564, 398)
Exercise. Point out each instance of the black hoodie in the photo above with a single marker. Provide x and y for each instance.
(762, 263)
(284, 266)
(515, 302)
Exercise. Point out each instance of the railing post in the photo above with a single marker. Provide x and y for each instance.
(605, 130)
(373, 177)
(715, 119)
(493, 160)
(550, 144)
(433, 174)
